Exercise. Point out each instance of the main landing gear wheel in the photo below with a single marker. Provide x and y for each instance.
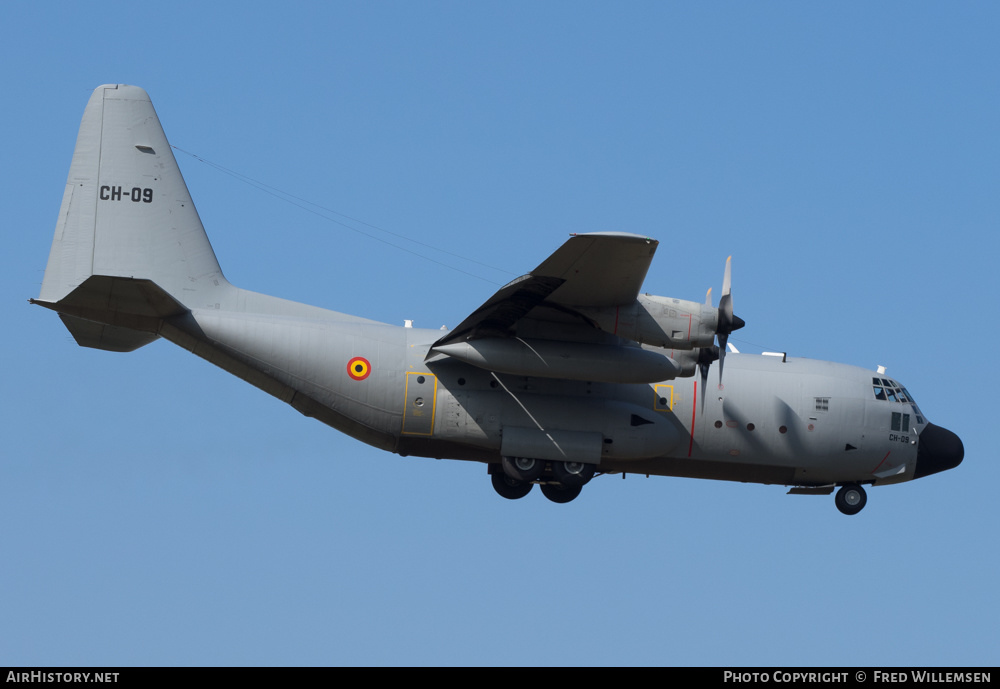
(572, 474)
(523, 468)
(510, 488)
(560, 493)
(851, 499)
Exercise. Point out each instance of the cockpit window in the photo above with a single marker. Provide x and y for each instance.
(891, 391)
(913, 404)
(878, 389)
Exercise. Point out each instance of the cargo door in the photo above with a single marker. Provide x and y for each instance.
(420, 403)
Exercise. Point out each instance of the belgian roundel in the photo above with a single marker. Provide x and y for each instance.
(358, 368)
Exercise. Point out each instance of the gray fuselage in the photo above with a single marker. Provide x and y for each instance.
(776, 420)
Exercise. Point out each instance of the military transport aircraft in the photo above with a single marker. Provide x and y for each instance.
(563, 374)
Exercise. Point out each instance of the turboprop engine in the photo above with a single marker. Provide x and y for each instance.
(659, 321)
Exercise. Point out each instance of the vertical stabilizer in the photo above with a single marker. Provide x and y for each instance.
(126, 211)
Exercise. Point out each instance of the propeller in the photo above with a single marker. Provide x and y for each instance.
(728, 322)
(706, 355)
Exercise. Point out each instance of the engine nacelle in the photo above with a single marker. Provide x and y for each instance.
(659, 321)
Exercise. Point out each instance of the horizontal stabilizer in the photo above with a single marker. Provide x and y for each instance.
(110, 338)
(114, 314)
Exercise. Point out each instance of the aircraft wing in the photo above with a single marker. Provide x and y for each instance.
(600, 269)
(595, 270)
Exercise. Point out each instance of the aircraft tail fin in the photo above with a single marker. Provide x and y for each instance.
(126, 214)
(126, 211)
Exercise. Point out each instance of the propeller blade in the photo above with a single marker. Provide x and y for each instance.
(727, 321)
(723, 339)
(706, 355)
(704, 384)
(726, 314)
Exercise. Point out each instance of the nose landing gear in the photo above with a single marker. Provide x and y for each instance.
(851, 499)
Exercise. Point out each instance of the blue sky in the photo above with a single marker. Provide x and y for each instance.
(155, 510)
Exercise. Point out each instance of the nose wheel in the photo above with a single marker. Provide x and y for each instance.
(851, 498)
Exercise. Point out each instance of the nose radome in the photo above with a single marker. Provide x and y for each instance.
(938, 449)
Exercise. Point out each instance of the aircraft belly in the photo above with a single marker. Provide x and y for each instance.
(718, 470)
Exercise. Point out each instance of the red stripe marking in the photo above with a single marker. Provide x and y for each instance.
(694, 408)
(883, 461)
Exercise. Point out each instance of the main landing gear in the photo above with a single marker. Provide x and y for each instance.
(561, 482)
(851, 498)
